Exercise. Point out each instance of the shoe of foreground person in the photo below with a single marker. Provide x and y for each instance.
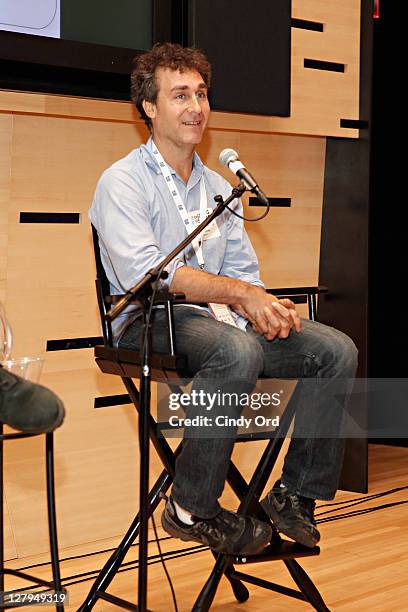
(292, 515)
(227, 532)
(27, 406)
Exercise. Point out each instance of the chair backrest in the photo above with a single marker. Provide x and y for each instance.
(102, 291)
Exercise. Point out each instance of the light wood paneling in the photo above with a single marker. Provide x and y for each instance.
(6, 125)
(69, 157)
(287, 242)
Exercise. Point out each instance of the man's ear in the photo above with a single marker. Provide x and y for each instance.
(149, 108)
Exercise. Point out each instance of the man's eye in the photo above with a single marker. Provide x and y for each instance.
(180, 96)
(202, 95)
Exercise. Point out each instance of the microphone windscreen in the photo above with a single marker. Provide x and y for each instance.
(227, 156)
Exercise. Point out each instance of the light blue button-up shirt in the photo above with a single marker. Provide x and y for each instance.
(138, 225)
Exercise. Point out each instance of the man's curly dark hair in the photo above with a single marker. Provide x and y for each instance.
(163, 55)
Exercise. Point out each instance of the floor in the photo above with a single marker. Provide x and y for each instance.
(363, 564)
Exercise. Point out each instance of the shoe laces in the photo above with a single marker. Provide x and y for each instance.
(221, 524)
(305, 505)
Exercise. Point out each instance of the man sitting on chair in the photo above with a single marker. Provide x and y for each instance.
(141, 208)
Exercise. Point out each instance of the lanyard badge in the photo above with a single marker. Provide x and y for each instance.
(189, 221)
(220, 311)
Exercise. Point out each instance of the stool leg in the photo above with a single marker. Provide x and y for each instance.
(1, 514)
(238, 588)
(111, 567)
(306, 585)
(52, 521)
(207, 594)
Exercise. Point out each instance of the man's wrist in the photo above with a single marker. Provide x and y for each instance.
(247, 291)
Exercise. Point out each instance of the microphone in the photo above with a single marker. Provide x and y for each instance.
(230, 159)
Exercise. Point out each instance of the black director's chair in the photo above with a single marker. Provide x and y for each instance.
(126, 364)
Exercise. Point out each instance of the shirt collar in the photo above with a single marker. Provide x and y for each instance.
(147, 155)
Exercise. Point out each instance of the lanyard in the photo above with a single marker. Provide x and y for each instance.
(220, 311)
(189, 222)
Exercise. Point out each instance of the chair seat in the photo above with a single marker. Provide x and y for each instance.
(124, 362)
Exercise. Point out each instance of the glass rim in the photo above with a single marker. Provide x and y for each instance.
(21, 360)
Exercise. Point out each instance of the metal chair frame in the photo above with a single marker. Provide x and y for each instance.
(55, 585)
(126, 364)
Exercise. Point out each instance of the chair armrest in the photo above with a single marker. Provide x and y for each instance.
(298, 290)
(161, 297)
(301, 295)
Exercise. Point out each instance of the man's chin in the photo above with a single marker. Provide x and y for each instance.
(196, 136)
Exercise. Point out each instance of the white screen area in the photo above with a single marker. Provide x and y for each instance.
(41, 17)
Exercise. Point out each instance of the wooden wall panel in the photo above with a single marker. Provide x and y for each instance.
(319, 98)
(60, 177)
(6, 124)
(54, 164)
(287, 241)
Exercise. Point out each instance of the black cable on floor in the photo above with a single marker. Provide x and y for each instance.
(84, 555)
(356, 501)
(127, 566)
(134, 564)
(329, 519)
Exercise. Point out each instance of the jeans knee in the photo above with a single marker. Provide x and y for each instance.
(345, 355)
(243, 357)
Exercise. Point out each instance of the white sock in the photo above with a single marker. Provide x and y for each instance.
(183, 515)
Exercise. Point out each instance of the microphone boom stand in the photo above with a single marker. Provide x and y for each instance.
(142, 292)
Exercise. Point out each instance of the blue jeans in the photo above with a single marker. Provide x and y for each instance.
(222, 357)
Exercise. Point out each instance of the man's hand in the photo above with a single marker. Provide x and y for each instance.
(270, 316)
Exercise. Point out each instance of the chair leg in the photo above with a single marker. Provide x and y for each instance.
(52, 520)
(207, 593)
(162, 484)
(109, 570)
(248, 495)
(307, 587)
(238, 588)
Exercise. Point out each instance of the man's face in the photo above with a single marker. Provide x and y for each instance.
(182, 110)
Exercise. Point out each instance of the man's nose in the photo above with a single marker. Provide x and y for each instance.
(195, 105)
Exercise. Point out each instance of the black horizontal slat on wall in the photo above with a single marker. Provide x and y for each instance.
(323, 65)
(68, 344)
(303, 24)
(50, 217)
(112, 400)
(272, 202)
(357, 124)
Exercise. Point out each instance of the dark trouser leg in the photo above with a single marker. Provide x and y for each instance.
(325, 360)
(222, 360)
